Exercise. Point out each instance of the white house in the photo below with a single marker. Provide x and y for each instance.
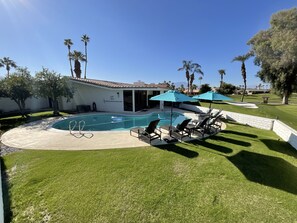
(111, 96)
(98, 95)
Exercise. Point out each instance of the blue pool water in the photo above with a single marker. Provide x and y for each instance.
(114, 122)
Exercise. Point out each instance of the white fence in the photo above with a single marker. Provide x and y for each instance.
(7, 105)
(282, 130)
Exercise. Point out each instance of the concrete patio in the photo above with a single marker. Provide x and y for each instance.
(40, 135)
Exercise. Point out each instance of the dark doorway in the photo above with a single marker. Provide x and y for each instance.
(140, 100)
(128, 102)
(153, 104)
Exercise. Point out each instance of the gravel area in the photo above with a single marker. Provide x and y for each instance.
(4, 150)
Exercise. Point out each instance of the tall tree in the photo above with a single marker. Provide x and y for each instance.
(200, 79)
(196, 68)
(222, 72)
(53, 85)
(18, 87)
(181, 88)
(187, 66)
(275, 51)
(77, 57)
(68, 43)
(1, 64)
(190, 69)
(242, 59)
(169, 84)
(8, 63)
(85, 39)
(204, 88)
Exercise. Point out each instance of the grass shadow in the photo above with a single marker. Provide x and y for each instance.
(240, 133)
(230, 140)
(267, 170)
(280, 147)
(5, 193)
(218, 148)
(179, 150)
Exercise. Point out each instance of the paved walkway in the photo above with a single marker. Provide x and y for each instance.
(243, 104)
(40, 135)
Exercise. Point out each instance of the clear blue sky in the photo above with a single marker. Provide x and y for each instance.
(134, 40)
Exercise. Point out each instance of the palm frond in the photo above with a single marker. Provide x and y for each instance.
(68, 42)
(85, 38)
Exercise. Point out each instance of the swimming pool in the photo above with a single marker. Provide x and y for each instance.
(113, 122)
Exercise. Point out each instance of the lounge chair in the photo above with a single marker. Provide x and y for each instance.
(179, 131)
(214, 125)
(199, 127)
(179, 119)
(215, 114)
(149, 133)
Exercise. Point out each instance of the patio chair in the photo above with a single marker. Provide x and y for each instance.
(209, 111)
(214, 125)
(217, 113)
(149, 133)
(179, 119)
(209, 126)
(180, 131)
(200, 127)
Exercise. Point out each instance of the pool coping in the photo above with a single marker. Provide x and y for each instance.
(40, 135)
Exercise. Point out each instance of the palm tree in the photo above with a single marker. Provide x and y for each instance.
(1, 64)
(222, 72)
(242, 59)
(194, 86)
(187, 66)
(68, 43)
(196, 69)
(260, 86)
(8, 63)
(200, 79)
(77, 57)
(85, 39)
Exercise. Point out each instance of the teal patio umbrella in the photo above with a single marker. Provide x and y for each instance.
(212, 96)
(172, 96)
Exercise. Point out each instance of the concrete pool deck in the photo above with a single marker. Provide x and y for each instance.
(41, 136)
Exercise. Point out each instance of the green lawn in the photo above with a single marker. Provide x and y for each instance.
(14, 121)
(285, 113)
(241, 175)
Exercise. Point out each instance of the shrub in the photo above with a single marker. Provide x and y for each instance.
(204, 88)
(227, 89)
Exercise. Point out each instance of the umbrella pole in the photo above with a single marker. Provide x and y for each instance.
(170, 128)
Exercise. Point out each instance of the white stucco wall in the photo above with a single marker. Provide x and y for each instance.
(105, 99)
(285, 132)
(251, 120)
(7, 104)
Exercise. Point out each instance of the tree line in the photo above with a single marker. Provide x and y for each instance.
(20, 85)
(274, 51)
